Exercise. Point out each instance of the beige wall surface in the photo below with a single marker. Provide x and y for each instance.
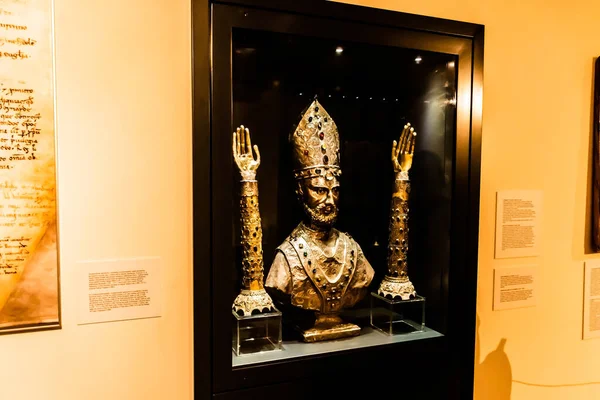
(537, 113)
(123, 91)
(124, 174)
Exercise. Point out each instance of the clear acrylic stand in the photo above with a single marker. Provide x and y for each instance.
(395, 317)
(256, 333)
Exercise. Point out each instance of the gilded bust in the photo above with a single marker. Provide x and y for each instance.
(317, 267)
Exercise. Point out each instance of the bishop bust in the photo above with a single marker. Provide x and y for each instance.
(317, 267)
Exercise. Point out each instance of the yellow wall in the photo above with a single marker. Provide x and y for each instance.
(124, 160)
(537, 111)
(124, 172)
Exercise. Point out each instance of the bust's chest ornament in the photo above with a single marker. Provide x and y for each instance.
(329, 269)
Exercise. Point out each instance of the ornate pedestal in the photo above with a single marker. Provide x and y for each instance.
(256, 333)
(329, 327)
(394, 317)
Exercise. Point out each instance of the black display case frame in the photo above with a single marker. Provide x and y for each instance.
(441, 366)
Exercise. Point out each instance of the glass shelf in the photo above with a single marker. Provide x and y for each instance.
(369, 337)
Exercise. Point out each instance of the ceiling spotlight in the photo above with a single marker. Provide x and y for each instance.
(418, 59)
(339, 50)
(300, 93)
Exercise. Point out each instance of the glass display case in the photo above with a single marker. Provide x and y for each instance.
(348, 81)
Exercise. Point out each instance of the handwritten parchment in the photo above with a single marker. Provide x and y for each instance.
(27, 164)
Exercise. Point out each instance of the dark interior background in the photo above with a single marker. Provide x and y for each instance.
(370, 92)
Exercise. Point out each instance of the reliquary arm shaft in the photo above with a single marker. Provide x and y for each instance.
(253, 298)
(396, 283)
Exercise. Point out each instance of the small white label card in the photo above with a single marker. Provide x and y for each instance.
(515, 287)
(117, 290)
(518, 223)
(591, 300)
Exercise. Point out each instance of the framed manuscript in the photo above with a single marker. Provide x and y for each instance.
(29, 273)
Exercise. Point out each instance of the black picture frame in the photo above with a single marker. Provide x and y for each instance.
(440, 367)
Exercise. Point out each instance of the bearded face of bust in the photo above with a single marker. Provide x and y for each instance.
(320, 199)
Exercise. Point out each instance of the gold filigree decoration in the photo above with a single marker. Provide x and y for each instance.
(397, 287)
(253, 298)
(396, 283)
(316, 144)
(253, 301)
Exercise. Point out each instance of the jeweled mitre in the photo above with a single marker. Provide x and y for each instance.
(316, 144)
